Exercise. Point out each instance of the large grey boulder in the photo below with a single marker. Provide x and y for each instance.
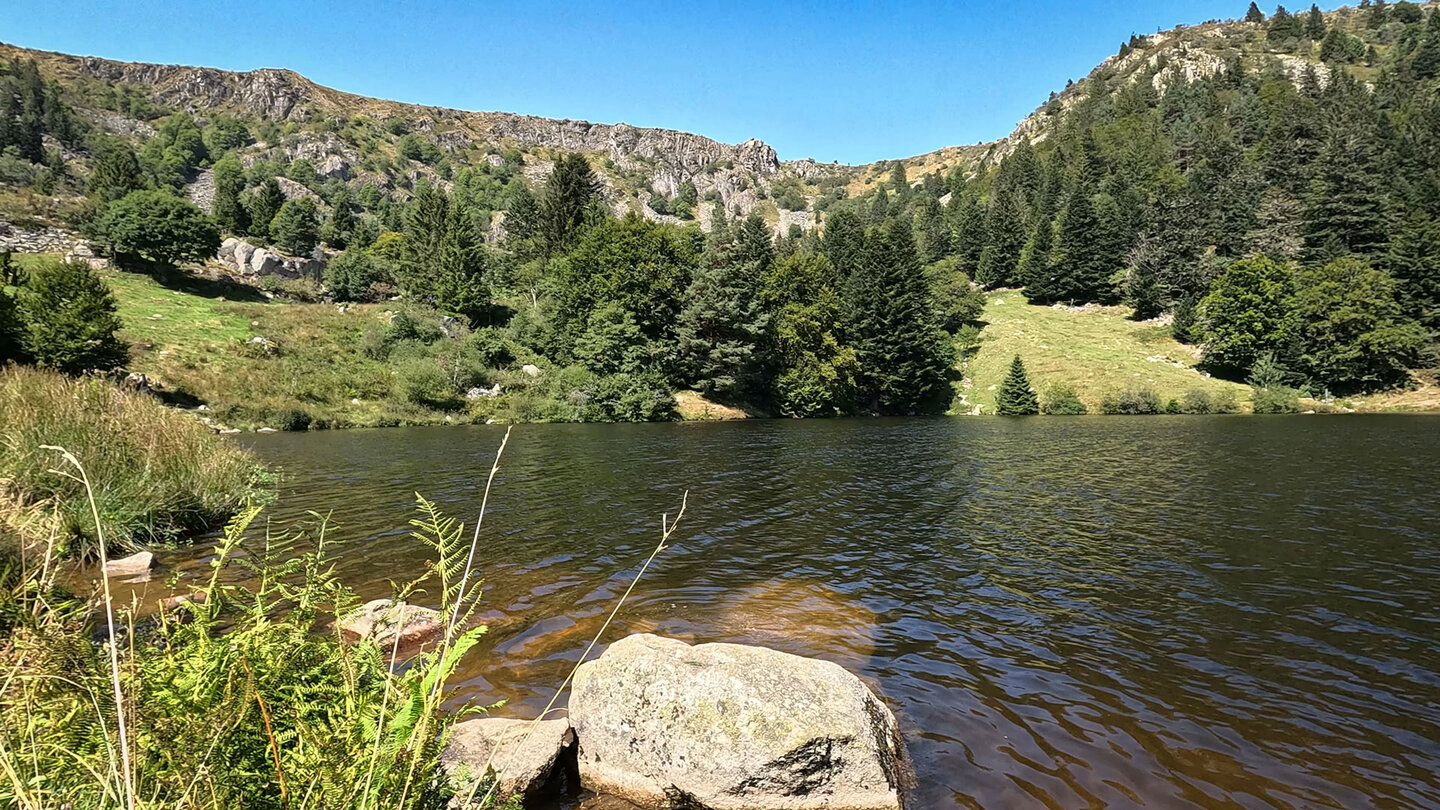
(527, 763)
(134, 565)
(663, 724)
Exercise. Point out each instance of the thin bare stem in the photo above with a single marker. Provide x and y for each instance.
(109, 622)
(667, 528)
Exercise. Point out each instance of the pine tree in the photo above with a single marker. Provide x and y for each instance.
(931, 231)
(341, 227)
(1016, 397)
(227, 209)
(1254, 15)
(1004, 239)
(1414, 261)
(295, 228)
(565, 201)
(723, 323)
(844, 242)
(1315, 24)
(116, 171)
(905, 357)
(1346, 202)
(265, 203)
(1426, 63)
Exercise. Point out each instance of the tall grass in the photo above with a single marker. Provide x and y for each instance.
(158, 473)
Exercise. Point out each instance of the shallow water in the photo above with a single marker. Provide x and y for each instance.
(1092, 612)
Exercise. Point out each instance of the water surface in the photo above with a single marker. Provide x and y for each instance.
(1096, 612)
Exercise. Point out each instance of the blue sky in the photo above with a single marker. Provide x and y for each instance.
(848, 81)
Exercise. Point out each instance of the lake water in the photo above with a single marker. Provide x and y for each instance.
(1092, 612)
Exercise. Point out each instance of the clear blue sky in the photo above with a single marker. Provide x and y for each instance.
(848, 81)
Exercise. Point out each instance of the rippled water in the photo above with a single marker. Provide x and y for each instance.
(1093, 612)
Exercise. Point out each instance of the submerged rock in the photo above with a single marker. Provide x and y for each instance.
(133, 566)
(725, 726)
(529, 764)
(384, 620)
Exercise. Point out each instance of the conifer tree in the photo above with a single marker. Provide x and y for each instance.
(1315, 24)
(1016, 396)
(1004, 239)
(1346, 202)
(904, 355)
(723, 323)
(565, 201)
(69, 319)
(931, 231)
(295, 228)
(227, 209)
(844, 242)
(1414, 261)
(1035, 260)
(116, 171)
(265, 203)
(1426, 63)
(341, 227)
(1254, 15)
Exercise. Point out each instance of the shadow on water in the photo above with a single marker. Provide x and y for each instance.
(1162, 612)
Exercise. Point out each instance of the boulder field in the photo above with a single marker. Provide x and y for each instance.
(663, 724)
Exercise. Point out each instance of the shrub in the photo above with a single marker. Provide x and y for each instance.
(164, 474)
(1273, 400)
(156, 230)
(67, 319)
(492, 346)
(1132, 402)
(1060, 399)
(292, 419)
(351, 276)
(421, 381)
(628, 398)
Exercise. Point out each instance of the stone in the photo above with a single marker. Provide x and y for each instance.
(726, 726)
(530, 764)
(480, 391)
(174, 602)
(265, 344)
(133, 566)
(530, 370)
(264, 263)
(384, 620)
(267, 430)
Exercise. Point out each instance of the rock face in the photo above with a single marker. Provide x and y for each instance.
(725, 726)
(385, 619)
(527, 763)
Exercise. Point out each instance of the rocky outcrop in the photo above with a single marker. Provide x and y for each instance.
(528, 759)
(724, 726)
(250, 262)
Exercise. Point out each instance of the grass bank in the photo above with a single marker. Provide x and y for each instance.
(161, 474)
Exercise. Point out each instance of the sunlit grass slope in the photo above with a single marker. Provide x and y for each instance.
(1097, 350)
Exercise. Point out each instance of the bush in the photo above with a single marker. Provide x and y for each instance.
(156, 230)
(352, 276)
(67, 319)
(1060, 399)
(1277, 399)
(1132, 402)
(163, 474)
(492, 346)
(292, 419)
(628, 398)
(421, 381)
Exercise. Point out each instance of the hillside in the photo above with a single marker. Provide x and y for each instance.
(1211, 200)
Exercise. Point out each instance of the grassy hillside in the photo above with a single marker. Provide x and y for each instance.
(1098, 350)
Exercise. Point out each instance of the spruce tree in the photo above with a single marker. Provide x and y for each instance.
(1414, 261)
(931, 231)
(1315, 24)
(844, 242)
(1016, 397)
(295, 228)
(565, 201)
(1086, 255)
(1004, 239)
(116, 172)
(265, 203)
(723, 323)
(905, 357)
(69, 319)
(1346, 202)
(341, 227)
(1254, 15)
(227, 209)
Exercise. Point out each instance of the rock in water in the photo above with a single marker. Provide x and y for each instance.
(134, 565)
(726, 726)
(527, 767)
(384, 619)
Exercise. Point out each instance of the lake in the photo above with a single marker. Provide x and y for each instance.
(1103, 611)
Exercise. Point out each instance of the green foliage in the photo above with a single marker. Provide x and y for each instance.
(1140, 401)
(565, 202)
(263, 205)
(353, 276)
(224, 133)
(159, 474)
(1275, 400)
(229, 212)
(1414, 262)
(627, 398)
(905, 357)
(613, 343)
(1198, 401)
(176, 151)
(1060, 399)
(156, 230)
(413, 147)
(954, 297)
(722, 323)
(1348, 328)
(443, 261)
(814, 373)
(67, 319)
(1016, 397)
(248, 695)
(1246, 314)
(115, 171)
(296, 229)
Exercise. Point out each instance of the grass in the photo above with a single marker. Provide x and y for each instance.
(164, 475)
(1098, 351)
